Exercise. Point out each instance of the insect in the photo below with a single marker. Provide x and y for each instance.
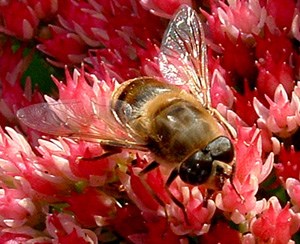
(179, 127)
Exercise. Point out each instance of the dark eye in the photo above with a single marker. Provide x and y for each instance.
(196, 169)
(221, 149)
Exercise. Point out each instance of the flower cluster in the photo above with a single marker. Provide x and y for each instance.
(59, 187)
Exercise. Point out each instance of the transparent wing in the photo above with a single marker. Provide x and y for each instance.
(183, 57)
(91, 122)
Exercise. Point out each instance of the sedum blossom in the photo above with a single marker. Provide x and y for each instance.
(274, 225)
(248, 175)
(282, 116)
(22, 25)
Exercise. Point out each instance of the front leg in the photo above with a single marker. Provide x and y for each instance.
(224, 123)
(171, 178)
(146, 170)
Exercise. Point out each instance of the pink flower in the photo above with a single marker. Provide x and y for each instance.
(64, 229)
(22, 235)
(293, 189)
(148, 57)
(220, 91)
(16, 208)
(249, 172)
(67, 159)
(274, 224)
(282, 116)
(241, 19)
(295, 28)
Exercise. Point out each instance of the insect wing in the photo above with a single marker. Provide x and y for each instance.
(42, 118)
(183, 57)
(93, 122)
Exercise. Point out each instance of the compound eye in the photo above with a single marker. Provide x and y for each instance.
(196, 169)
(221, 149)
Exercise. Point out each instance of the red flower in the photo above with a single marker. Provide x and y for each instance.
(243, 102)
(101, 207)
(288, 164)
(129, 214)
(238, 58)
(282, 12)
(8, 237)
(13, 63)
(83, 19)
(19, 20)
(158, 232)
(71, 238)
(43, 9)
(74, 48)
(278, 46)
(164, 8)
(221, 233)
(95, 170)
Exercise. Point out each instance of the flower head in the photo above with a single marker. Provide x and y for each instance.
(281, 117)
(239, 18)
(275, 225)
(19, 20)
(247, 175)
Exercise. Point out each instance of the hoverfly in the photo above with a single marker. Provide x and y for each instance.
(179, 128)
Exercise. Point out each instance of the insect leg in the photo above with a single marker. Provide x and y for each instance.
(146, 170)
(171, 178)
(110, 150)
(225, 123)
(233, 185)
